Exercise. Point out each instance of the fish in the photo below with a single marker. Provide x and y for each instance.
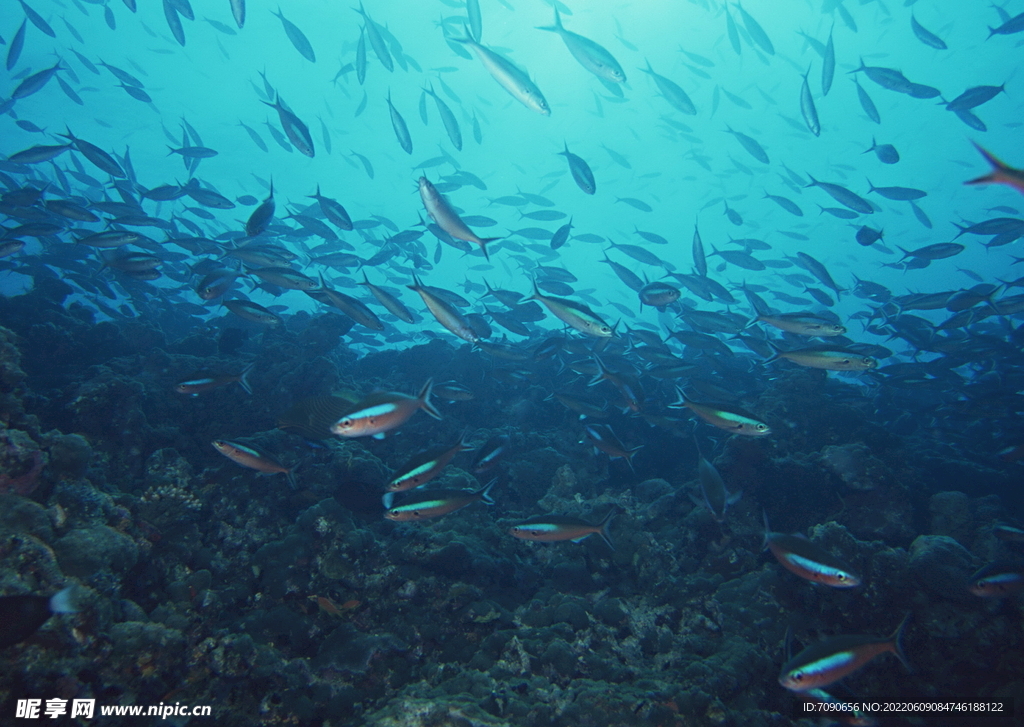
(285, 278)
(445, 216)
(294, 128)
(803, 324)
(451, 124)
(429, 503)
(313, 417)
(673, 93)
(807, 107)
(1008, 532)
(830, 660)
(658, 294)
(390, 302)
(556, 528)
(724, 416)
(592, 56)
(844, 196)
(998, 579)
(926, 36)
(867, 104)
(509, 76)
(199, 383)
(383, 411)
(238, 12)
(716, 497)
(802, 557)
(351, 307)
(828, 64)
(575, 315)
(254, 459)
(886, 153)
(825, 357)
(628, 387)
(423, 467)
(261, 217)
(580, 170)
(253, 312)
(400, 128)
(1001, 173)
(902, 194)
(445, 312)
(755, 31)
(561, 235)
(488, 456)
(604, 439)
(377, 42)
(23, 615)
(35, 83)
(453, 391)
(296, 36)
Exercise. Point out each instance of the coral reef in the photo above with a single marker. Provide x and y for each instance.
(207, 583)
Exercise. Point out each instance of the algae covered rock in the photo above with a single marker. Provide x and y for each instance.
(86, 552)
(941, 566)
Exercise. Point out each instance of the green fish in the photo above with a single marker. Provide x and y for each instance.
(724, 416)
(575, 315)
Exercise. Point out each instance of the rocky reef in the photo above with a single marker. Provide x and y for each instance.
(203, 582)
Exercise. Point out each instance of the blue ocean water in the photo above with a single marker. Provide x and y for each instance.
(894, 444)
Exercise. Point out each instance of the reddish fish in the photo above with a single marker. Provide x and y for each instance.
(554, 528)
(830, 660)
(1001, 173)
(384, 411)
(254, 460)
(196, 385)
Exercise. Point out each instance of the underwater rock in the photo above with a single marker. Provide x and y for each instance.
(11, 377)
(21, 462)
(854, 464)
(21, 515)
(941, 566)
(951, 515)
(69, 455)
(87, 552)
(461, 711)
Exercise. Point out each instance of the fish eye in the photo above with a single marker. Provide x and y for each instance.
(845, 361)
(797, 676)
(761, 427)
(841, 577)
(345, 423)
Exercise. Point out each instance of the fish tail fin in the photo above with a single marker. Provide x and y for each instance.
(681, 402)
(603, 526)
(464, 445)
(897, 642)
(424, 398)
(602, 372)
(485, 492)
(484, 241)
(777, 353)
(243, 380)
(63, 602)
(387, 500)
(630, 454)
(999, 168)
(290, 475)
(557, 27)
